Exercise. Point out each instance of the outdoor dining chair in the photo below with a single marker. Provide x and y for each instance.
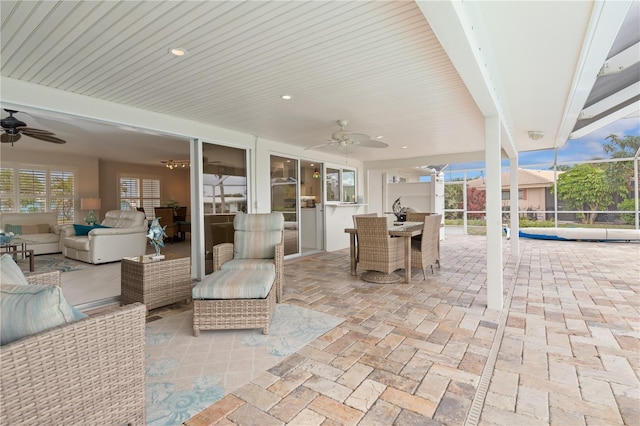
(426, 252)
(377, 251)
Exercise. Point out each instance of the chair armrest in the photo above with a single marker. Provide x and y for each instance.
(222, 253)
(45, 278)
(90, 371)
(66, 231)
(279, 261)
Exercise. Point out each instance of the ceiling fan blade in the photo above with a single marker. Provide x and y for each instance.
(7, 138)
(356, 137)
(27, 130)
(44, 137)
(371, 143)
(322, 144)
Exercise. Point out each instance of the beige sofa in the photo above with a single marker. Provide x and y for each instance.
(126, 236)
(41, 230)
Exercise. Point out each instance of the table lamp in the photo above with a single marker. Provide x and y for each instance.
(90, 204)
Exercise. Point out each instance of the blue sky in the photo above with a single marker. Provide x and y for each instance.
(585, 148)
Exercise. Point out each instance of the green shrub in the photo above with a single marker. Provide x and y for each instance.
(630, 205)
(525, 222)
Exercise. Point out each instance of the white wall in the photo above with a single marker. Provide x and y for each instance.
(417, 195)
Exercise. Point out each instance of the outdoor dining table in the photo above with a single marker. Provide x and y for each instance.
(405, 230)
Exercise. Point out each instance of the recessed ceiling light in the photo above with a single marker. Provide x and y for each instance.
(286, 97)
(405, 147)
(379, 137)
(177, 51)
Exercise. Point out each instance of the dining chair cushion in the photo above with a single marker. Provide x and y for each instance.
(247, 284)
(255, 264)
(256, 235)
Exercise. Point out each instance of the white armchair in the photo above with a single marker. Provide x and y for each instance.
(124, 235)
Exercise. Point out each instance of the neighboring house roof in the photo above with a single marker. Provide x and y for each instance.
(526, 179)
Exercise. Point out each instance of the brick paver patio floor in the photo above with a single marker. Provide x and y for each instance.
(564, 351)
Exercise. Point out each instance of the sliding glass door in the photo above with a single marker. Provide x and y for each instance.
(224, 183)
(284, 198)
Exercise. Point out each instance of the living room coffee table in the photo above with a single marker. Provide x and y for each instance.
(12, 248)
(156, 282)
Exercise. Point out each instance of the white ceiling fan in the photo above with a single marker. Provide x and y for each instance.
(346, 141)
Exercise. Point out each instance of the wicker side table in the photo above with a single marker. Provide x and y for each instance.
(156, 282)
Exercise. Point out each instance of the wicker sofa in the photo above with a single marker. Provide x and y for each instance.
(89, 372)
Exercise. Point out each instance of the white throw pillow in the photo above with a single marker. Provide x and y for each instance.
(10, 272)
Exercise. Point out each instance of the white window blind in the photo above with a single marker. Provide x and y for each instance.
(62, 199)
(7, 189)
(38, 189)
(140, 192)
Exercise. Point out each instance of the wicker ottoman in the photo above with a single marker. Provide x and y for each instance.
(227, 310)
(156, 282)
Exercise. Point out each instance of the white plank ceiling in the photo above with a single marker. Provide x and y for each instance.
(377, 64)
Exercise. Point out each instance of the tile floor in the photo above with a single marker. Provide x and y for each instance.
(564, 351)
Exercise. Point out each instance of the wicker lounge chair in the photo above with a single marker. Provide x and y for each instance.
(253, 263)
(378, 251)
(426, 252)
(88, 372)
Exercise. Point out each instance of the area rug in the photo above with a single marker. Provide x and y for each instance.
(186, 374)
(44, 263)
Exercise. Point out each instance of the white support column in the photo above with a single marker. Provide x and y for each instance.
(197, 211)
(493, 150)
(514, 201)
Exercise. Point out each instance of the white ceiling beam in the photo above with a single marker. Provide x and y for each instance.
(630, 109)
(621, 61)
(606, 20)
(610, 101)
(460, 29)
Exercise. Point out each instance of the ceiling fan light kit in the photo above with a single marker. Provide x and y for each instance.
(13, 129)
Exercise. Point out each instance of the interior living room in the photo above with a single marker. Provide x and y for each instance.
(302, 115)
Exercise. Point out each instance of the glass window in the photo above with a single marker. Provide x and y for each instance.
(62, 195)
(140, 192)
(224, 179)
(349, 186)
(333, 184)
(284, 198)
(341, 185)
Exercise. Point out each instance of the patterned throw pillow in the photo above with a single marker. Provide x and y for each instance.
(28, 309)
(16, 229)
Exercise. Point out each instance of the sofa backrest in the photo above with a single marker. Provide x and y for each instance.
(256, 235)
(36, 218)
(124, 219)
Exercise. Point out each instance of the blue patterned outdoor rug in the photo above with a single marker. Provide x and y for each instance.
(45, 263)
(186, 374)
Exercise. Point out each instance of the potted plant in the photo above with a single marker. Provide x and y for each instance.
(173, 203)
